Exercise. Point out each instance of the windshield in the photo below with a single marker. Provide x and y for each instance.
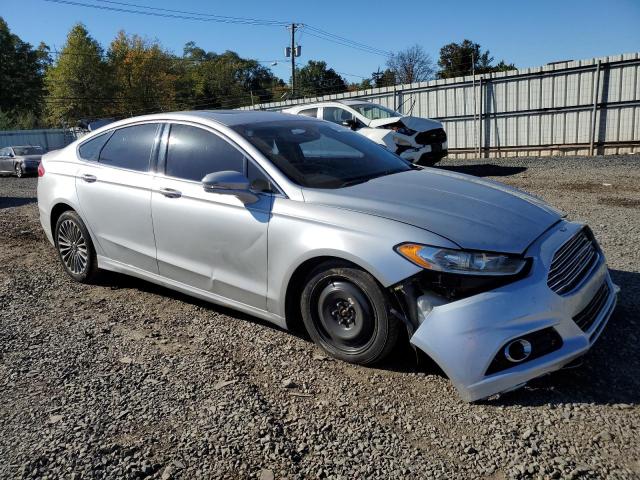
(374, 112)
(321, 155)
(27, 150)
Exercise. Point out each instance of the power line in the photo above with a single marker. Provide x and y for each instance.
(346, 42)
(150, 11)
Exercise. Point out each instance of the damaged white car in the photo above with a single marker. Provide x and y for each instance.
(419, 140)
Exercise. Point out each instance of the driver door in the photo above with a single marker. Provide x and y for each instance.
(209, 241)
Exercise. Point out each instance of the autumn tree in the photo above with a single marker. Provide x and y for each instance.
(144, 76)
(78, 84)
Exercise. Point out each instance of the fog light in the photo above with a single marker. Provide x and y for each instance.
(518, 350)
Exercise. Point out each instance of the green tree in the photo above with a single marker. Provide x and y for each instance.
(315, 79)
(459, 59)
(79, 85)
(21, 78)
(386, 78)
(211, 80)
(143, 74)
(411, 65)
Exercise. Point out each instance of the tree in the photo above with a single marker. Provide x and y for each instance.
(79, 85)
(21, 78)
(211, 80)
(387, 78)
(411, 65)
(315, 79)
(143, 74)
(459, 59)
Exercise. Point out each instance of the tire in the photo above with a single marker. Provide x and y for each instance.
(18, 170)
(75, 248)
(346, 313)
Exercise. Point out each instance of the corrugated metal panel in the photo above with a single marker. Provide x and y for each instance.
(542, 110)
(51, 139)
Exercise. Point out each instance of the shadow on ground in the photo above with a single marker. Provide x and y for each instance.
(606, 375)
(10, 202)
(483, 170)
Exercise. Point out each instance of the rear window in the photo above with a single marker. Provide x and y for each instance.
(90, 150)
(130, 147)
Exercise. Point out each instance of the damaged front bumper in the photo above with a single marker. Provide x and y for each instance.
(429, 153)
(468, 338)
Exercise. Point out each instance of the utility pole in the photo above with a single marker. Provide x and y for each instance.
(293, 52)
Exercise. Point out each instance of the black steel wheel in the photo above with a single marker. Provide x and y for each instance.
(75, 248)
(346, 313)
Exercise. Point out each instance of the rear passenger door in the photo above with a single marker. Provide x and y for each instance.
(114, 192)
(209, 241)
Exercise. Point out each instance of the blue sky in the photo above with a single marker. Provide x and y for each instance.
(527, 33)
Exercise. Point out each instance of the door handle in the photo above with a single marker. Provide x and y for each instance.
(170, 193)
(88, 178)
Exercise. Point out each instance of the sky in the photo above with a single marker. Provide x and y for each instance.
(525, 32)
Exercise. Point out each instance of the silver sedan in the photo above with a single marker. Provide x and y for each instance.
(308, 225)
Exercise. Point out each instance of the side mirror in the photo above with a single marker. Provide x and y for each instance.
(352, 123)
(230, 183)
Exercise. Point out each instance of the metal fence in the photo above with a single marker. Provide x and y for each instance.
(50, 139)
(568, 108)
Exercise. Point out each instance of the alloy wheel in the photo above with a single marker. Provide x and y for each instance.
(72, 247)
(18, 170)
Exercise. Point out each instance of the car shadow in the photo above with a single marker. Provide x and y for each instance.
(10, 202)
(607, 373)
(483, 170)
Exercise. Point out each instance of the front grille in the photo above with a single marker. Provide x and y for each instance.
(436, 135)
(585, 318)
(572, 263)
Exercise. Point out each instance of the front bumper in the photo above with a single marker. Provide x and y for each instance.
(464, 336)
(432, 153)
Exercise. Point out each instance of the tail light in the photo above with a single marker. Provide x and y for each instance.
(41, 170)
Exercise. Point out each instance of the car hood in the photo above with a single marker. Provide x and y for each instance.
(414, 123)
(476, 214)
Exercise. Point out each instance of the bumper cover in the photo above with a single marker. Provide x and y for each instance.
(464, 336)
(432, 153)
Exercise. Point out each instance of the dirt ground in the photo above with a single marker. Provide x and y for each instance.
(125, 379)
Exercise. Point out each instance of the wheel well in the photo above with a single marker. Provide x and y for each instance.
(56, 211)
(295, 287)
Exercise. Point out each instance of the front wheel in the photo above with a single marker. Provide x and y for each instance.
(347, 314)
(18, 170)
(75, 248)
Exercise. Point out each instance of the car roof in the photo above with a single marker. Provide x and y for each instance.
(228, 118)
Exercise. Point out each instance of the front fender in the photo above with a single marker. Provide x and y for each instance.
(301, 231)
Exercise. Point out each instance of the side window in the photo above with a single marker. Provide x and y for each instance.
(309, 112)
(90, 150)
(130, 147)
(3, 152)
(336, 115)
(193, 153)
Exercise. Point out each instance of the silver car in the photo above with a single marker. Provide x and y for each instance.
(20, 160)
(309, 225)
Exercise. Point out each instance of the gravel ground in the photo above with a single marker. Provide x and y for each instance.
(128, 380)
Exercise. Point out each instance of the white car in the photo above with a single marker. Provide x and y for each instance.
(419, 140)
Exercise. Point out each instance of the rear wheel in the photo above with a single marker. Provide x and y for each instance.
(347, 314)
(75, 248)
(18, 170)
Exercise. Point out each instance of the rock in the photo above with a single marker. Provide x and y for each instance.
(288, 383)
(266, 474)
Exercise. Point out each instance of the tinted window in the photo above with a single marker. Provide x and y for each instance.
(309, 112)
(336, 115)
(320, 155)
(91, 150)
(27, 150)
(130, 147)
(193, 153)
